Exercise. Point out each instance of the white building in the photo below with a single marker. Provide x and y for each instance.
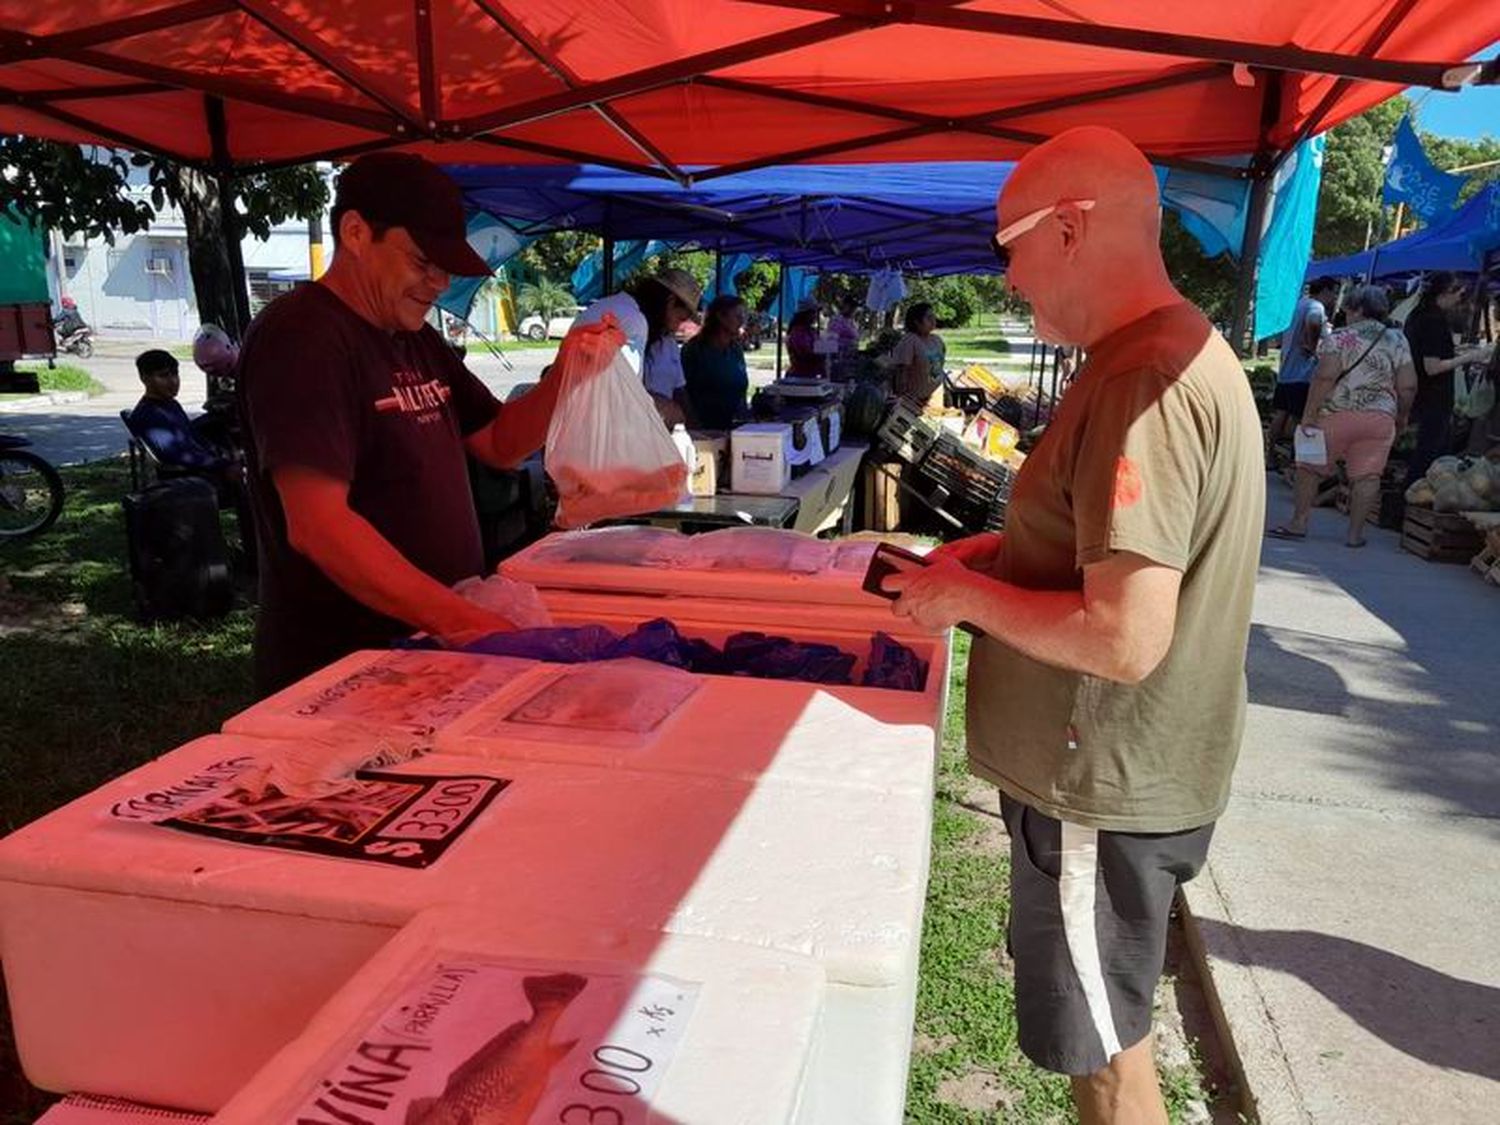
(142, 288)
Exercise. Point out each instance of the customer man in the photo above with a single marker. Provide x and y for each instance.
(359, 419)
(1299, 357)
(1107, 687)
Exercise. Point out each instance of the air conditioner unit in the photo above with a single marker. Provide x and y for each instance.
(161, 266)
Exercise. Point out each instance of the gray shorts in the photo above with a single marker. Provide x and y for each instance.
(1088, 932)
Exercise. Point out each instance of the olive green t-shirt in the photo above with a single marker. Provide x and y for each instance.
(1155, 450)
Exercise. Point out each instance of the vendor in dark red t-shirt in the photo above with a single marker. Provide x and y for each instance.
(360, 418)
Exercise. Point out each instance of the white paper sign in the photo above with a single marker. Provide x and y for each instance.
(544, 1044)
(1310, 447)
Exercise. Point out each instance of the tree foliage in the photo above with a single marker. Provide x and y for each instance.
(555, 256)
(71, 189)
(87, 190)
(1350, 214)
(544, 297)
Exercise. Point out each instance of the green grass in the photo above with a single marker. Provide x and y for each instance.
(63, 377)
(971, 342)
(88, 692)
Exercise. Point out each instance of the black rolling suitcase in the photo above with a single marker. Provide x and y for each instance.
(179, 565)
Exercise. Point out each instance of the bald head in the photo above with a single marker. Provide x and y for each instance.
(1085, 267)
(1090, 162)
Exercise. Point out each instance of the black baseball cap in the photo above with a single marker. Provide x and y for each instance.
(400, 189)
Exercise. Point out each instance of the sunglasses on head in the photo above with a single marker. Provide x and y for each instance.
(1001, 240)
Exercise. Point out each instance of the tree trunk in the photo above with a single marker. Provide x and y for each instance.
(209, 253)
(214, 259)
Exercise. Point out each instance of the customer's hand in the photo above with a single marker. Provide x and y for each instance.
(937, 597)
(977, 552)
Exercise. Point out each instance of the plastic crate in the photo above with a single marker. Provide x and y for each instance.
(905, 433)
(967, 486)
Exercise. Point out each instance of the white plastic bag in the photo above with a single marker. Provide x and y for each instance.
(517, 602)
(607, 450)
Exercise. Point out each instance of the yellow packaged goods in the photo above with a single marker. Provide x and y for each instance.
(711, 469)
(993, 437)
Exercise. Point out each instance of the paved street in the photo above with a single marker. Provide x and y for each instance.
(1351, 905)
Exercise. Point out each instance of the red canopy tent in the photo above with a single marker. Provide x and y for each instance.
(720, 86)
(659, 85)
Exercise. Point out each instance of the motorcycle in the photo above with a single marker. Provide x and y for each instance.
(31, 490)
(78, 341)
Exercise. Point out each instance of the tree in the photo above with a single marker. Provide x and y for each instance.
(87, 190)
(1207, 282)
(555, 256)
(1350, 214)
(544, 297)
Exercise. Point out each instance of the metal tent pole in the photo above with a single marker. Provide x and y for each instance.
(780, 309)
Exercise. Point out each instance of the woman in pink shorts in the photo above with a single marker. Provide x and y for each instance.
(1360, 399)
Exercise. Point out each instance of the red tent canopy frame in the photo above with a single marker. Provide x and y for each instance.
(657, 86)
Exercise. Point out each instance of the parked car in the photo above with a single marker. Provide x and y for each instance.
(556, 327)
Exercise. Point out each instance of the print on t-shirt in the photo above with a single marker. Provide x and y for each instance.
(413, 394)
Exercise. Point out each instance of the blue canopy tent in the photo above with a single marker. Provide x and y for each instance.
(933, 219)
(1458, 243)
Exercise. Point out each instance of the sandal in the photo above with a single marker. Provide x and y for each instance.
(1356, 543)
(1283, 532)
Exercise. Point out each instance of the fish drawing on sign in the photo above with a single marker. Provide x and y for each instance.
(502, 1082)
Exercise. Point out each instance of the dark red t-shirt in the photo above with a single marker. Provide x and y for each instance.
(322, 388)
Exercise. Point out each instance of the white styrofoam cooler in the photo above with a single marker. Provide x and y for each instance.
(760, 565)
(164, 967)
(738, 1058)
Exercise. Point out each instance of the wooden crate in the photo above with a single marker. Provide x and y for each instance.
(1439, 536)
(1486, 564)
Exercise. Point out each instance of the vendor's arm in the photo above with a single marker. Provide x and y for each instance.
(341, 543)
(518, 429)
(1118, 627)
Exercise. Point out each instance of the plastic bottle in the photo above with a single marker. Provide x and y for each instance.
(685, 448)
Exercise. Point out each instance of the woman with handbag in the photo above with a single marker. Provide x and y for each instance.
(1360, 399)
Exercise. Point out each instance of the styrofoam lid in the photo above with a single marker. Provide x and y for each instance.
(664, 1029)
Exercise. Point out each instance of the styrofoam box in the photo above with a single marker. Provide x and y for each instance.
(729, 727)
(739, 1057)
(164, 967)
(780, 566)
(761, 457)
(416, 691)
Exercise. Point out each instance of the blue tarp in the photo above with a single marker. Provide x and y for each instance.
(497, 244)
(1457, 243)
(1287, 245)
(922, 218)
(587, 281)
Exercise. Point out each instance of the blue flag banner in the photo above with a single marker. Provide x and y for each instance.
(734, 265)
(493, 241)
(1286, 246)
(1412, 179)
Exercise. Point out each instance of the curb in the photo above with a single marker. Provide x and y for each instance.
(34, 403)
(1245, 1026)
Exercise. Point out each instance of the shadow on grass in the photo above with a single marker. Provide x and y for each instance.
(86, 691)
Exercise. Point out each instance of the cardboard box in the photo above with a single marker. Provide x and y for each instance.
(711, 469)
(761, 458)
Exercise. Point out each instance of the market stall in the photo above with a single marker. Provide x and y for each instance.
(231, 887)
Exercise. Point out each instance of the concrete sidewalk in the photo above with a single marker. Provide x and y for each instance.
(1350, 911)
